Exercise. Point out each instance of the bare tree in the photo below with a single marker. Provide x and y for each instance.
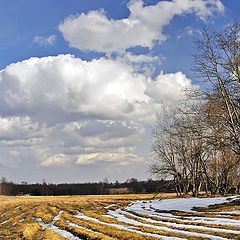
(179, 148)
(166, 158)
(218, 63)
(198, 142)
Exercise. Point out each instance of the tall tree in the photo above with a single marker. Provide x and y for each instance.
(198, 142)
(218, 63)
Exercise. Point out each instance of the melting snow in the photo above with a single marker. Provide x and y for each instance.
(236, 213)
(122, 218)
(177, 225)
(109, 206)
(57, 230)
(129, 219)
(179, 204)
(125, 227)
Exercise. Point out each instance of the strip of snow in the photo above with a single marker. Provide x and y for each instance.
(77, 226)
(205, 220)
(57, 230)
(178, 225)
(56, 218)
(108, 216)
(165, 216)
(124, 219)
(125, 227)
(218, 221)
(111, 205)
(236, 212)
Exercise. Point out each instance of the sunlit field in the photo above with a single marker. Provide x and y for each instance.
(124, 217)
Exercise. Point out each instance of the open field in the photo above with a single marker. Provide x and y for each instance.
(123, 217)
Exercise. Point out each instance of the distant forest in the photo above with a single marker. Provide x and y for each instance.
(44, 189)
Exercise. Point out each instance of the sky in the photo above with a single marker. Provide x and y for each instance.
(81, 82)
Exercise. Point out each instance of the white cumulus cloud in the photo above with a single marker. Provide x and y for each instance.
(143, 27)
(64, 88)
(59, 110)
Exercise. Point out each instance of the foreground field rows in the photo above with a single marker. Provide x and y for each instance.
(119, 217)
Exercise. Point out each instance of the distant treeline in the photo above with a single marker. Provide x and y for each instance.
(44, 189)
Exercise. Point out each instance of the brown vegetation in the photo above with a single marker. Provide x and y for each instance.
(29, 218)
(198, 142)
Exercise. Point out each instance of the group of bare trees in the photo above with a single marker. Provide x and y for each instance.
(197, 143)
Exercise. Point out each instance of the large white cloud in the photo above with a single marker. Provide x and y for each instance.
(62, 109)
(144, 26)
(65, 88)
(60, 89)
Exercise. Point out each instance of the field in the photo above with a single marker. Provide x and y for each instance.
(123, 217)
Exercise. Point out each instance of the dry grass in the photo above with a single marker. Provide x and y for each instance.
(30, 230)
(21, 218)
(18, 214)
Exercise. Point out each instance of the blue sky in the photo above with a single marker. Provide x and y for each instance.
(21, 20)
(89, 115)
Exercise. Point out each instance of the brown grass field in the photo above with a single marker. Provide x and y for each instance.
(55, 218)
